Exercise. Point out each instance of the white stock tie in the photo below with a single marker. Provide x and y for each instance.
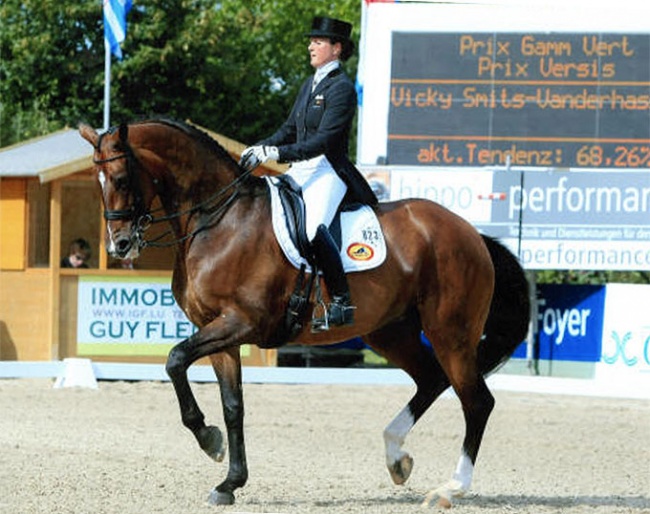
(322, 72)
(317, 78)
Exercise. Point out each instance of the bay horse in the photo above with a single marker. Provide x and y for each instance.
(466, 292)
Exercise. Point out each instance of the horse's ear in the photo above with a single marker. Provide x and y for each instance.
(123, 132)
(89, 134)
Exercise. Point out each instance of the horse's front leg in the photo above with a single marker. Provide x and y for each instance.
(227, 364)
(210, 439)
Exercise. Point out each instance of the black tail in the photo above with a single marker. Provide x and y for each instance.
(507, 323)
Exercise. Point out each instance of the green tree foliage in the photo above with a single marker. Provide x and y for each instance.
(592, 277)
(232, 66)
(49, 69)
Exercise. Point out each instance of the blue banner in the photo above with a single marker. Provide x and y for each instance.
(570, 323)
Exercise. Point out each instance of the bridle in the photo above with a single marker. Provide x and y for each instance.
(137, 209)
(142, 218)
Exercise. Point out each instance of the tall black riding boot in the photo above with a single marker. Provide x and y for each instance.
(340, 311)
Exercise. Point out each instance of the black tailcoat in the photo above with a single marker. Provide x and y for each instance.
(320, 124)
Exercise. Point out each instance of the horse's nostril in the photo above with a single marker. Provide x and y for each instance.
(123, 246)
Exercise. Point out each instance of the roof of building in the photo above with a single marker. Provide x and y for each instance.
(51, 156)
(65, 152)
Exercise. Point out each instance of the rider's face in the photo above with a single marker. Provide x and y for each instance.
(322, 51)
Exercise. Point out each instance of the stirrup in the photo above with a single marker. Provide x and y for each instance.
(340, 312)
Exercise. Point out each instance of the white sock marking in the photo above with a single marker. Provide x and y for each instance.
(464, 472)
(395, 434)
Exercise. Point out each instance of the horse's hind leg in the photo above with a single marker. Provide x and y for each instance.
(459, 362)
(400, 344)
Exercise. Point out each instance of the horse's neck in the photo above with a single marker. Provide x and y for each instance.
(195, 178)
(192, 178)
(191, 168)
(201, 175)
(195, 185)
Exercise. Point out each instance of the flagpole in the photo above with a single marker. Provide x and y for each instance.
(107, 85)
(114, 14)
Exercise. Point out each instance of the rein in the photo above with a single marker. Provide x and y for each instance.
(143, 218)
(215, 216)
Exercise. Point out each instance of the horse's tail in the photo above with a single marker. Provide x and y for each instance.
(509, 317)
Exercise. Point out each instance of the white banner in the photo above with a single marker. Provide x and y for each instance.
(626, 332)
(118, 311)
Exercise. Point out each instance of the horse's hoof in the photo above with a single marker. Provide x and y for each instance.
(444, 503)
(212, 442)
(221, 498)
(400, 471)
(444, 494)
(444, 499)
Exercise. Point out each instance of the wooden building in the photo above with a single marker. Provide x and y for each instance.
(48, 197)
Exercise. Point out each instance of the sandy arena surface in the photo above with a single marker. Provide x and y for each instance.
(313, 449)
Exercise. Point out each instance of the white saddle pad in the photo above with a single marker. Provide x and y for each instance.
(362, 242)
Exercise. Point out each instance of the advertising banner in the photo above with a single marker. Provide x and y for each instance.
(582, 220)
(626, 332)
(569, 324)
(128, 316)
(549, 219)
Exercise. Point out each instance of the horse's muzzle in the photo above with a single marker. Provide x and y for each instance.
(123, 245)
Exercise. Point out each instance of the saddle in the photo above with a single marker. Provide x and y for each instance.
(355, 229)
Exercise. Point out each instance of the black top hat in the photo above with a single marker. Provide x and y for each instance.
(330, 27)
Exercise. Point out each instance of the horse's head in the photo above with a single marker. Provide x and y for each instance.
(127, 190)
(194, 177)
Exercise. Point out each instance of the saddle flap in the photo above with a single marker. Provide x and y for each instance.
(363, 246)
(293, 206)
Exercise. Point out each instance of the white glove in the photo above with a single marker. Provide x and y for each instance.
(253, 156)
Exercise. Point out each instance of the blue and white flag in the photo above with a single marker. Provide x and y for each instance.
(115, 12)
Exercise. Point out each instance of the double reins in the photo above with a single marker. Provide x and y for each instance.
(143, 218)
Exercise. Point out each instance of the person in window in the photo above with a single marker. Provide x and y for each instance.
(314, 139)
(78, 254)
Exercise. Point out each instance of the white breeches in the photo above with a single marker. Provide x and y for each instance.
(322, 190)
